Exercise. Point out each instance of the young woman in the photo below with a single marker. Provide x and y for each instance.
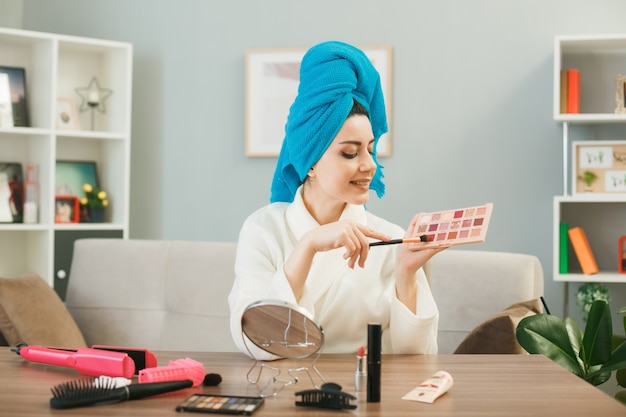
(310, 245)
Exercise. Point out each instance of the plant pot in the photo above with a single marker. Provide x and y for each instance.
(95, 215)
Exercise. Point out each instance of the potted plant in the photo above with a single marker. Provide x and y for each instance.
(93, 204)
(588, 177)
(592, 355)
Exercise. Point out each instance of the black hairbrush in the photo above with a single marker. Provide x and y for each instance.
(83, 392)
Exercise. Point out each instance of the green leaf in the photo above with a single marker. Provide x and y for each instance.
(616, 362)
(620, 375)
(547, 335)
(596, 346)
(621, 397)
(575, 338)
(598, 378)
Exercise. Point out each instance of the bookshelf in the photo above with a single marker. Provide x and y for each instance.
(599, 58)
(55, 65)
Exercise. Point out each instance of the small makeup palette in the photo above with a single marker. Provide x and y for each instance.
(220, 404)
(454, 227)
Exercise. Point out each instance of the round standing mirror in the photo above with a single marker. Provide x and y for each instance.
(282, 329)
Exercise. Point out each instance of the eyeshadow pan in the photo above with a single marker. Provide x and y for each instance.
(433, 227)
(478, 221)
(436, 217)
(467, 222)
(458, 214)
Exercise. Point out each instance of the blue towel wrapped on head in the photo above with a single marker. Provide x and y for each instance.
(332, 75)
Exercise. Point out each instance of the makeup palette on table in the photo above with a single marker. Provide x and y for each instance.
(454, 227)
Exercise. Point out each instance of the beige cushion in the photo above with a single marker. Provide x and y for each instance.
(31, 312)
(497, 333)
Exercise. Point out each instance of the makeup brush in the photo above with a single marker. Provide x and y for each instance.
(84, 392)
(422, 238)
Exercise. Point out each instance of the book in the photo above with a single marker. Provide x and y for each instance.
(573, 91)
(583, 251)
(563, 96)
(563, 248)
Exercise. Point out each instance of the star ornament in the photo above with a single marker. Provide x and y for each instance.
(93, 96)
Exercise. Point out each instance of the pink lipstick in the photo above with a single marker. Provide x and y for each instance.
(360, 375)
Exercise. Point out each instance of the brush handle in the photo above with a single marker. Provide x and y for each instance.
(137, 391)
(422, 238)
(386, 242)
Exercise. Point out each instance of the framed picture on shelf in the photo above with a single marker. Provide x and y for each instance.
(66, 115)
(271, 85)
(72, 175)
(66, 209)
(11, 192)
(17, 88)
(599, 167)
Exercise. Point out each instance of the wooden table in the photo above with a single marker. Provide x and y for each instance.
(484, 385)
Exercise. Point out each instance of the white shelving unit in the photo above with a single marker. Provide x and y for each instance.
(599, 58)
(55, 65)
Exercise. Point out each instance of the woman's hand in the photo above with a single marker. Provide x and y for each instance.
(351, 236)
(409, 258)
(347, 234)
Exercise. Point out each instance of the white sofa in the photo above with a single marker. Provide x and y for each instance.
(172, 295)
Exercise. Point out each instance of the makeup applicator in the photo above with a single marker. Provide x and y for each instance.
(422, 238)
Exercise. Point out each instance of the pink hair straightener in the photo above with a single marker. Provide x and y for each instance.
(95, 361)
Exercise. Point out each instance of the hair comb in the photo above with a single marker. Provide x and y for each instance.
(86, 392)
(328, 396)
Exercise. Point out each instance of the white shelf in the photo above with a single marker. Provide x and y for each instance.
(55, 65)
(599, 58)
(603, 277)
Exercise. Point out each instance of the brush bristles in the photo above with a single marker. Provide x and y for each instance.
(85, 392)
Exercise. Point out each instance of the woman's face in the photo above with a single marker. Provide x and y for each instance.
(346, 169)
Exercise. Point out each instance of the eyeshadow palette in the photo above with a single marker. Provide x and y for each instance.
(220, 404)
(454, 227)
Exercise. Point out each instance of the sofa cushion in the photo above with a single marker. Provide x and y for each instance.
(497, 333)
(31, 312)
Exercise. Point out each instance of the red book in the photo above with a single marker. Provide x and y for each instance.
(573, 91)
(583, 251)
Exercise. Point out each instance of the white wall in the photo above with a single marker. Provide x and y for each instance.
(11, 13)
(472, 117)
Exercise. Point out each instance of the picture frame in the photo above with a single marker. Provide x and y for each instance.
(598, 167)
(18, 93)
(66, 209)
(11, 192)
(70, 176)
(66, 114)
(620, 94)
(271, 85)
